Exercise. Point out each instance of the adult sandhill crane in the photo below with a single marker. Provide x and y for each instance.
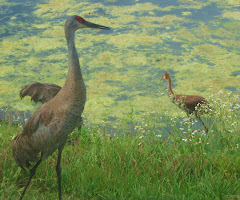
(48, 128)
(189, 103)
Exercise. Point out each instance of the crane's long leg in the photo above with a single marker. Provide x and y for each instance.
(58, 170)
(32, 173)
(80, 123)
(199, 118)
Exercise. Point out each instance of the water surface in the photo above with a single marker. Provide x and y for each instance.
(197, 42)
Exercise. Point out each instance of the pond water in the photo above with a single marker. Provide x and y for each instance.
(196, 41)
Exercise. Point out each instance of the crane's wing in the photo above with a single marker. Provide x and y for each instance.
(40, 92)
(192, 102)
(38, 130)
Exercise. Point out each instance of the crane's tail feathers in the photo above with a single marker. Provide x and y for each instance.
(22, 153)
(204, 107)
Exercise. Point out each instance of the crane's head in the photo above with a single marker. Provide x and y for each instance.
(77, 22)
(165, 76)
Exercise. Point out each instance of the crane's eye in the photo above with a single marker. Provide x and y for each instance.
(80, 19)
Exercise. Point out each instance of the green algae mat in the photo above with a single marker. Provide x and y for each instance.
(196, 41)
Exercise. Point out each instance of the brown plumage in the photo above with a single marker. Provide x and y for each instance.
(189, 103)
(40, 92)
(48, 128)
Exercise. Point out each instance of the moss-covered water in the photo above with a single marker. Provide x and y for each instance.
(197, 42)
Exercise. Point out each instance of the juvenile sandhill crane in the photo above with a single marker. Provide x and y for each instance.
(189, 103)
(48, 128)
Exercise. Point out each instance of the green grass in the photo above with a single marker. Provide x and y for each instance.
(190, 165)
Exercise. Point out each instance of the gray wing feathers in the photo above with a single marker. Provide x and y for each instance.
(40, 92)
(28, 145)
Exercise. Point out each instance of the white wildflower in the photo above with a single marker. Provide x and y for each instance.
(13, 137)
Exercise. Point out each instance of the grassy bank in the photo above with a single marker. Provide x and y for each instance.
(180, 164)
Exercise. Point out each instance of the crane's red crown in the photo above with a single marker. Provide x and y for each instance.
(80, 19)
(167, 75)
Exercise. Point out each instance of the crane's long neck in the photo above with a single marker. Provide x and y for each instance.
(74, 90)
(170, 92)
(74, 71)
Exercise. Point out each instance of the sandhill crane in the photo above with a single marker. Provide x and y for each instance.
(189, 103)
(48, 128)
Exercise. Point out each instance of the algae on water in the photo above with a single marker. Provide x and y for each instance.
(196, 41)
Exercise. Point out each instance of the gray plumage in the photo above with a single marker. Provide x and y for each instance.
(43, 92)
(48, 128)
(40, 92)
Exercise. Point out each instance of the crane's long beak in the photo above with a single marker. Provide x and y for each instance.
(162, 77)
(92, 25)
